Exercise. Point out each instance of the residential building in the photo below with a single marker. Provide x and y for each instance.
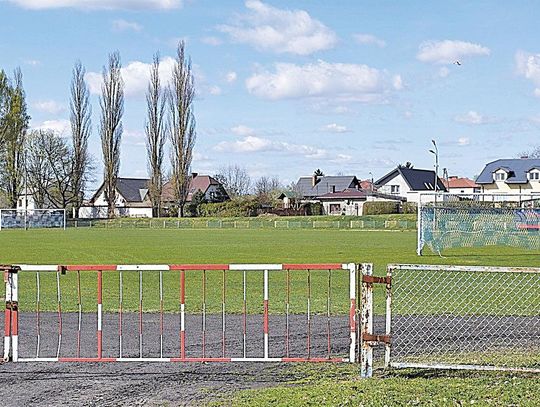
(511, 176)
(26, 200)
(462, 186)
(409, 183)
(132, 200)
(309, 188)
(213, 190)
(351, 201)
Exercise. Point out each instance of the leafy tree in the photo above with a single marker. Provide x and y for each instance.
(197, 199)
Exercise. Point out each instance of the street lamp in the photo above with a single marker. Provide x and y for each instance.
(435, 152)
(371, 182)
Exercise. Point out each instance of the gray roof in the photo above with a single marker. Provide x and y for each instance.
(517, 169)
(325, 184)
(132, 189)
(418, 180)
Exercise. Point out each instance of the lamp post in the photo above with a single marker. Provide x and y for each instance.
(371, 185)
(435, 152)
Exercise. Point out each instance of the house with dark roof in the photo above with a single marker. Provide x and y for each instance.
(132, 200)
(351, 201)
(409, 183)
(309, 188)
(511, 176)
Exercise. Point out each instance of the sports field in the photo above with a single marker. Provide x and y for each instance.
(255, 384)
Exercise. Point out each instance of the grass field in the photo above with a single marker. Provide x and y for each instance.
(334, 385)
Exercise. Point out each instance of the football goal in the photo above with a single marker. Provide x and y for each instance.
(32, 218)
(477, 220)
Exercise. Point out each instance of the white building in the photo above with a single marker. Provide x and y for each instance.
(409, 183)
(132, 200)
(351, 201)
(26, 200)
(511, 176)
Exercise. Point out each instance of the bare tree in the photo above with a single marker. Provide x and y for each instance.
(532, 153)
(50, 162)
(181, 125)
(266, 185)
(112, 109)
(80, 117)
(155, 135)
(235, 180)
(14, 124)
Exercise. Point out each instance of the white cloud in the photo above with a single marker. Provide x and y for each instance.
(279, 30)
(32, 62)
(214, 41)
(135, 74)
(335, 128)
(251, 144)
(369, 40)
(349, 82)
(61, 127)
(528, 66)
(448, 51)
(231, 77)
(243, 131)
(99, 4)
(214, 90)
(48, 106)
(123, 25)
(463, 141)
(472, 117)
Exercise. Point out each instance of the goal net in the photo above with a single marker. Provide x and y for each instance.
(450, 220)
(32, 218)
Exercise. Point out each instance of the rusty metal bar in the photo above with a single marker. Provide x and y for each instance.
(366, 358)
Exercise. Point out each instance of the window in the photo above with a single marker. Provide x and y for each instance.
(499, 176)
(394, 189)
(534, 175)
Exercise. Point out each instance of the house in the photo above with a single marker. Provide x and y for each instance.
(458, 185)
(511, 176)
(132, 200)
(309, 188)
(409, 183)
(212, 189)
(26, 200)
(351, 201)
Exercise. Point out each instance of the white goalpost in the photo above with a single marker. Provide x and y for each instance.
(32, 218)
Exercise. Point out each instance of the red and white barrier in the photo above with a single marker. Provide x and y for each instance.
(11, 350)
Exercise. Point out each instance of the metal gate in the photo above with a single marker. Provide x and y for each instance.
(455, 317)
(181, 313)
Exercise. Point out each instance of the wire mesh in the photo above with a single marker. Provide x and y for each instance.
(32, 218)
(451, 315)
(479, 220)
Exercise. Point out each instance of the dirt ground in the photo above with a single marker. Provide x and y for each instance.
(157, 383)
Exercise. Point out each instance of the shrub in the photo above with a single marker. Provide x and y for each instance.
(380, 208)
(409, 207)
(237, 207)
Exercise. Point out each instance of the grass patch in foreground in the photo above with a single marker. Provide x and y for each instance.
(341, 386)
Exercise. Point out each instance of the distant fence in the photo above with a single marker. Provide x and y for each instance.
(244, 224)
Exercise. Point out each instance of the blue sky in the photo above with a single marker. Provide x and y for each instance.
(285, 87)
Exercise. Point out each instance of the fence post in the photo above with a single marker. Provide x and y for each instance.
(366, 351)
(7, 316)
(352, 312)
(11, 316)
(388, 328)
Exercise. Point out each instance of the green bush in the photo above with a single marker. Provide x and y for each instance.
(237, 207)
(409, 207)
(380, 208)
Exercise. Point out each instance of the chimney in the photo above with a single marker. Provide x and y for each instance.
(194, 174)
(524, 157)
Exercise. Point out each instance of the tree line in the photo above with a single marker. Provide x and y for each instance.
(56, 170)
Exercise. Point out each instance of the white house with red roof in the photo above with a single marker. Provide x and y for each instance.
(459, 185)
(351, 201)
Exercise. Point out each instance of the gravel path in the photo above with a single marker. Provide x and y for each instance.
(143, 383)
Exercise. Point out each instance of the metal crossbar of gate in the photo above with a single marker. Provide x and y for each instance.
(463, 317)
(181, 313)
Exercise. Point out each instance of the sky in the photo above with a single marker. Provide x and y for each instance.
(286, 87)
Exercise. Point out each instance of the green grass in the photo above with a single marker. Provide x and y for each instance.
(162, 246)
(340, 386)
(317, 384)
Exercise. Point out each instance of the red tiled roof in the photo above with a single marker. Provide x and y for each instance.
(455, 182)
(199, 182)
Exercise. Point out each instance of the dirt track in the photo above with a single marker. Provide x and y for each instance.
(143, 383)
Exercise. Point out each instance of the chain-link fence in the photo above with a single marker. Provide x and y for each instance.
(465, 317)
(195, 223)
